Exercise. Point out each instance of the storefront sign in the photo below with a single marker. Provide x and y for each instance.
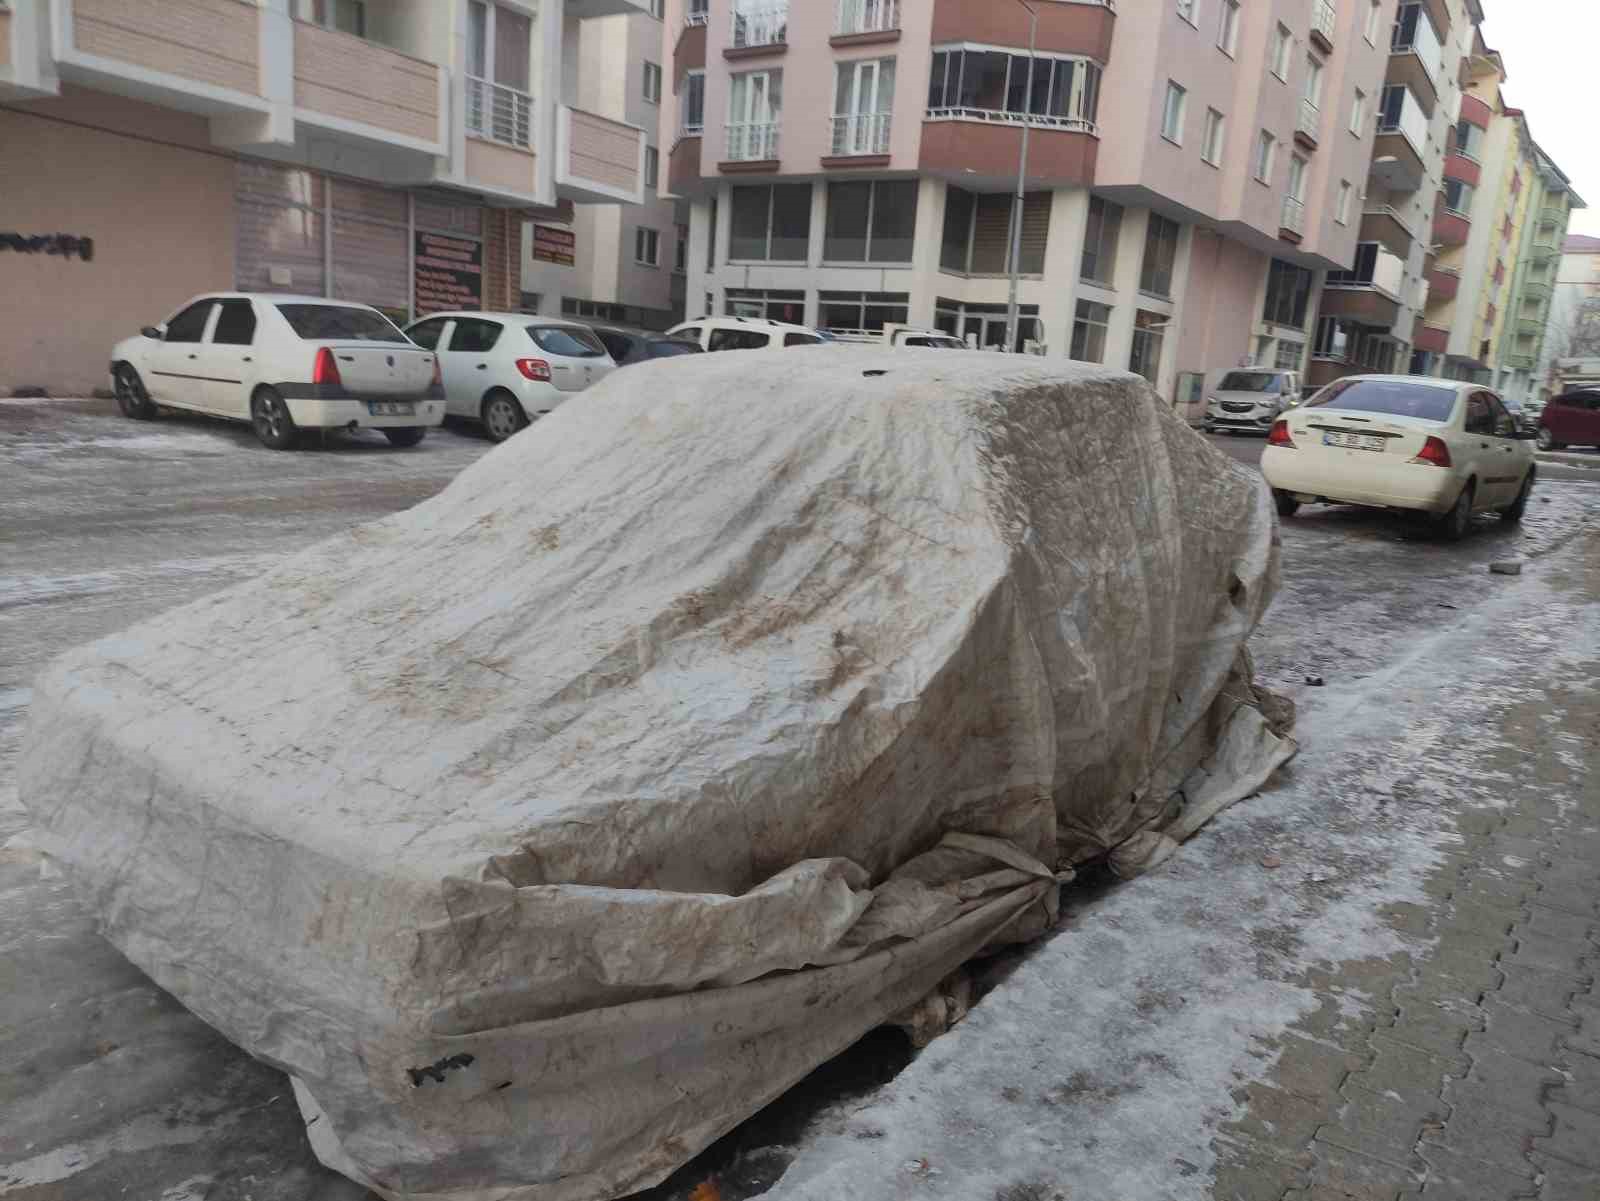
(552, 245)
(60, 245)
(449, 273)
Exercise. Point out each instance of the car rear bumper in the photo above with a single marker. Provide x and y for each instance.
(539, 398)
(328, 406)
(1381, 484)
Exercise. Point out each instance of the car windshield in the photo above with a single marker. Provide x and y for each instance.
(1426, 402)
(935, 342)
(1251, 381)
(666, 349)
(566, 341)
(340, 323)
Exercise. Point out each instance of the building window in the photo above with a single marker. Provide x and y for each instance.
(499, 56)
(646, 246)
(760, 23)
(1228, 35)
(1065, 91)
(853, 312)
(1313, 87)
(1469, 140)
(680, 261)
(1100, 237)
(1288, 294)
(1289, 355)
(863, 105)
(1335, 337)
(984, 325)
(652, 166)
(711, 238)
(755, 106)
(1282, 47)
(1458, 197)
(771, 224)
(692, 108)
(1374, 21)
(1341, 207)
(1358, 114)
(765, 304)
(1160, 256)
(1413, 30)
(652, 82)
(1149, 331)
(1266, 152)
(1189, 10)
(658, 8)
(1362, 269)
(1216, 132)
(1172, 114)
(347, 16)
(977, 232)
(870, 221)
(1089, 332)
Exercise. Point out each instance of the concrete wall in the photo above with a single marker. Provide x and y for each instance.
(1221, 306)
(210, 41)
(357, 80)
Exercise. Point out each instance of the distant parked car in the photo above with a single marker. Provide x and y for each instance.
(284, 364)
(1402, 442)
(744, 333)
(1250, 399)
(1571, 419)
(507, 369)
(626, 346)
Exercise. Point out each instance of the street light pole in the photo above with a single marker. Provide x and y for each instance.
(1022, 179)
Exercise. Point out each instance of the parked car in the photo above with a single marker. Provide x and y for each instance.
(897, 337)
(744, 333)
(1402, 442)
(627, 346)
(284, 364)
(1571, 419)
(507, 369)
(1251, 399)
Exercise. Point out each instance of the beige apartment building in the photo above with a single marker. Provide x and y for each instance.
(385, 151)
(1194, 168)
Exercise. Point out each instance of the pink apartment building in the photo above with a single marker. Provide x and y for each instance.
(1195, 168)
(385, 151)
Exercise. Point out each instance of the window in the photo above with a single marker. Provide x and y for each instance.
(317, 322)
(977, 232)
(652, 166)
(984, 325)
(1289, 354)
(696, 11)
(1266, 152)
(692, 111)
(711, 239)
(863, 310)
(870, 221)
(863, 105)
(1100, 237)
(1216, 132)
(767, 305)
(566, 340)
(236, 324)
(1160, 256)
(347, 16)
(658, 8)
(1358, 114)
(1282, 46)
(1362, 268)
(1469, 140)
(1297, 179)
(1335, 338)
(652, 82)
(1429, 402)
(1228, 35)
(759, 23)
(1391, 104)
(1480, 417)
(755, 104)
(499, 58)
(1089, 332)
(1148, 333)
(1288, 294)
(992, 81)
(426, 333)
(1189, 10)
(474, 335)
(1458, 196)
(1341, 206)
(1313, 86)
(1504, 426)
(1374, 21)
(771, 224)
(1172, 114)
(190, 325)
(680, 262)
(646, 246)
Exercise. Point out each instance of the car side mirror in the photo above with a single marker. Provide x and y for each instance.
(153, 331)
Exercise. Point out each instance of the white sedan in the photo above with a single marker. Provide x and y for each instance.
(507, 369)
(1402, 442)
(284, 364)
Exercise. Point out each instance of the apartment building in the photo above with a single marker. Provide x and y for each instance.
(384, 151)
(1531, 307)
(622, 263)
(1192, 168)
(1573, 331)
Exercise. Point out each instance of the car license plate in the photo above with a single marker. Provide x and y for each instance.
(391, 408)
(1354, 441)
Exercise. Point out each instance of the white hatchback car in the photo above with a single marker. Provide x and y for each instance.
(507, 369)
(744, 333)
(284, 364)
(1402, 442)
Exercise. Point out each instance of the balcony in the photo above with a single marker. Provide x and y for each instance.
(1430, 338)
(689, 54)
(598, 160)
(1292, 224)
(1308, 125)
(1475, 111)
(980, 147)
(759, 29)
(1443, 282)
(1323, 22)
(1553, 215)
(1529, 326)
(1371, 301)
(866, 22)
(1383, 224)
(1450, 226)
(1537, 290)
(1518, 362)
(1460, 167)
(348, 85)
(1084, 27)
(859, 140)
(1416, 62)
(684, 176)
(752, 146)
(1439, 10)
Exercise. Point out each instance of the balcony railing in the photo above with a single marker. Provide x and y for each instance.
(861, 133)
(867, 16)
(696, 14)
(1310, 118)
(760, 24)
(1323, 19)
(500, 113)
(1294, 215)
(752, 141)
(998, 117)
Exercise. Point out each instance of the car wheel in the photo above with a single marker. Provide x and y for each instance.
(406, 435)
(132, 399)
(502, 416)
(1458, 520)
(1288, 506)
(1545, 440)
(1514, 511)
(269, 416)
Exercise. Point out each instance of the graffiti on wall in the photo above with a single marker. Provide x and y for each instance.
(60, 245)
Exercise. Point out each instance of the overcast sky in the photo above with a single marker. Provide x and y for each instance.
(1551, 50)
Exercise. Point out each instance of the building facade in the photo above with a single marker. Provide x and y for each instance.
(1573, 330)
(384, 151)
(1193, 168)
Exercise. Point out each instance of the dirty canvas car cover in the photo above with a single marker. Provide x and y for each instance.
(546, 830)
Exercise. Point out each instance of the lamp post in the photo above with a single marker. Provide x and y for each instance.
(1022, 179)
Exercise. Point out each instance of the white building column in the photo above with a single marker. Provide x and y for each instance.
(1069, 215)
(926, 247)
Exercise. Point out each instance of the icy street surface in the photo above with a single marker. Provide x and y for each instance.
(1138, 1054)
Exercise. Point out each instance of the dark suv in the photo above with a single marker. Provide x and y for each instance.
(1571, 419)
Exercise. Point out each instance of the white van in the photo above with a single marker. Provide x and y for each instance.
(743, 333)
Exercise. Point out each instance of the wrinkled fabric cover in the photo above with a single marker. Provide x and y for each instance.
(548, 829)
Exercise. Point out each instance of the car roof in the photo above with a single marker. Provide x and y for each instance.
(753, 322)
(490, 315)
(281, 298)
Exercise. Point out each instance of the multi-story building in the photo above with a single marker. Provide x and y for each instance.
(1192, 167)
(1573, 331)
(1550, 202)
(384, 151)
(623, 263)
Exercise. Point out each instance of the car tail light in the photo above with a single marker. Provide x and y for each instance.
(1280, 435)
(1434, 451)
(325, 370)
(536, 369)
